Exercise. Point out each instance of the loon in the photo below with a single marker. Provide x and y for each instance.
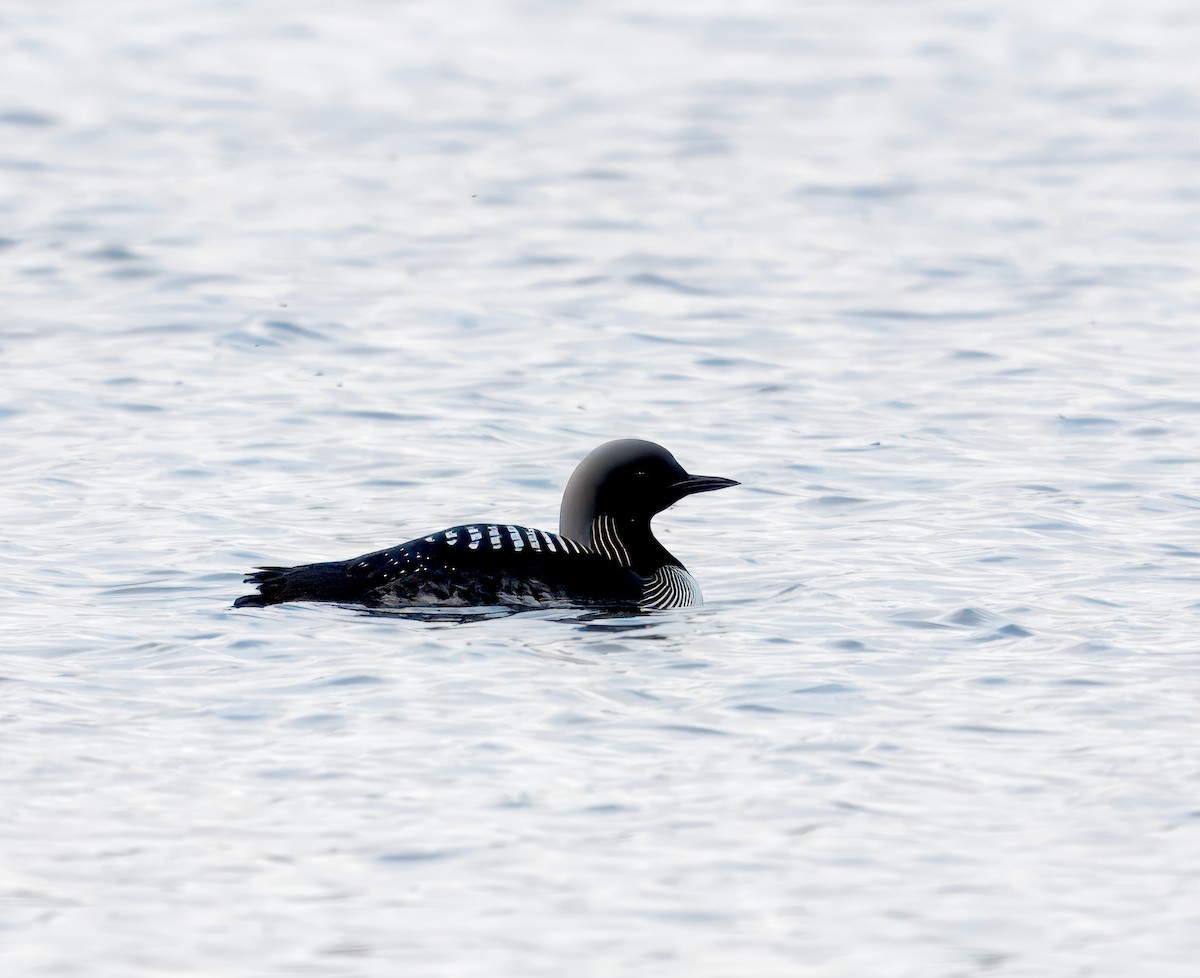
(604, 555)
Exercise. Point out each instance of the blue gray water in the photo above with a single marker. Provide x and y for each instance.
(294, 281)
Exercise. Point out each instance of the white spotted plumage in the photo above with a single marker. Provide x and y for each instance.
(670, 586)
(506, 536)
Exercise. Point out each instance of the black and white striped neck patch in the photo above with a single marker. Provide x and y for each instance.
(606, 541)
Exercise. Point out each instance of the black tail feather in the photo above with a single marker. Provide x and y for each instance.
(307, 582)
(261, 575)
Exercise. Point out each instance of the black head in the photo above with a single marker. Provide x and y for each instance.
(630, 480)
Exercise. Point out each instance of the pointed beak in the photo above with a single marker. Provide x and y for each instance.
(701, 483)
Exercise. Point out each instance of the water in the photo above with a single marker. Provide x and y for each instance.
(287, 282)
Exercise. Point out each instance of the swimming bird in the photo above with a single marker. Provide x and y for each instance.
(603, 556)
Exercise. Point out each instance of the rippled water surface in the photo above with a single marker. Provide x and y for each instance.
(294, 281)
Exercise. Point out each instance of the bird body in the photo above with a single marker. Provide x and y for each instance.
(605, 555)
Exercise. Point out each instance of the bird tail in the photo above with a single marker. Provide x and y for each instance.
(307, 582)
(272, 585)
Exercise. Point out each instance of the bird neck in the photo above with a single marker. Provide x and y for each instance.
(630, 543)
